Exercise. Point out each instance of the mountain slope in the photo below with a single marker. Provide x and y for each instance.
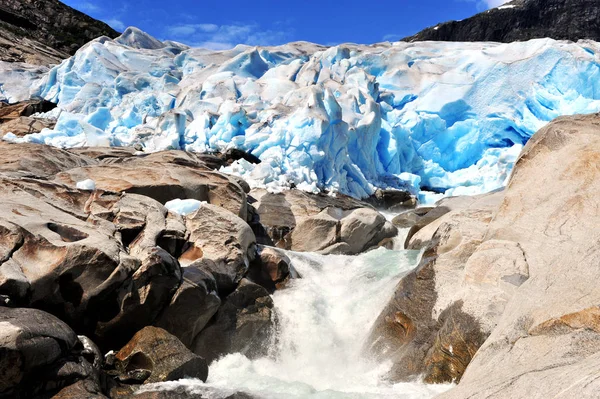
(45, 31)
(522, 20)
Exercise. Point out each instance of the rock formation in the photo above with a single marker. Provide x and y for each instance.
(45, 32)
(522, 20)
(505, 298)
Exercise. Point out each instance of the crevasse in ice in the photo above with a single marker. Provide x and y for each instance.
(445, 117)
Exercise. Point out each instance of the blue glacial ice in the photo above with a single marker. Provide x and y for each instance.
(450, 118)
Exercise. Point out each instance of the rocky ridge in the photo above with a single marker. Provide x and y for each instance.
(45, 32)
(521, 20)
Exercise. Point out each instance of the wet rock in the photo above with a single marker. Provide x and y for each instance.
(546, 228)
(193, 305)
(154, 355)
(410, 218)
(83, 389)
(272, 269)
(278, 214)
(223, 242)
(142, 297)
(336, 231)
(244, 323)
(435, 307)
(392, 200)
(314, 233)
(39, 354)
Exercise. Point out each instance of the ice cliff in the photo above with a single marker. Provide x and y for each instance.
(444, 117)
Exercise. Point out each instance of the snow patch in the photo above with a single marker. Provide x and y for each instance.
(184, 207)
(88, 185)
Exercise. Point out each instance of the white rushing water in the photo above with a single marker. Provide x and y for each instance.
(325, 317)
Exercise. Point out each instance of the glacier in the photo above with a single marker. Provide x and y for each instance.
(433, 118)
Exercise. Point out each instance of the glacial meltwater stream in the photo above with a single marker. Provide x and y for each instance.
(325, 317)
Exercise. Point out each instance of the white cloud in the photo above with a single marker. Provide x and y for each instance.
(88, 7)
(392, 37)
(495, 3)
(222, 37)
(115, 24)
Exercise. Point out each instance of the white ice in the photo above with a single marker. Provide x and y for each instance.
(448, 118)
(184, 207)
(87, 184)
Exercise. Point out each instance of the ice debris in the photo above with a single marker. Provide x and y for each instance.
(87, 184)
(449, 118)
(184, 206)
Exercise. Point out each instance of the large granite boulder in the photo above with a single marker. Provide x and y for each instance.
(162, 181)
(438, 317)
(63, 251)
(193, 305)
(306, 222)
(154, 355)
(547, 342)
(272, 269)
(505, 298)
(277, 214)
(245, 324)
(337, 231)
(220, 243)
(39, 355)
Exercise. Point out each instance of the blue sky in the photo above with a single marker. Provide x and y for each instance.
(223, 24)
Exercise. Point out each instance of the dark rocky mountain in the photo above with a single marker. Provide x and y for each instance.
(522, 20)
(45, 31)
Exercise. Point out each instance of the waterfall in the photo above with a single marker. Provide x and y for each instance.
(325, 317)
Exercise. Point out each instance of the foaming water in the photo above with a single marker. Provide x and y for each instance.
(325, 318)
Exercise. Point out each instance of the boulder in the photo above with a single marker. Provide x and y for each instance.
(314, 233)
(24, 108)
(83, 389)
(24, 125)
(547, 342)
(278, 214)
(62, 250)
(37, 160)
(39, 354)
(162, 181)
(428, 328)
(505, 298)
(409, 218)
(245, 323)
(336, 231)
(420, 234)
(154, 355)
(220, 243)
(272, 269)
(195, 302)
